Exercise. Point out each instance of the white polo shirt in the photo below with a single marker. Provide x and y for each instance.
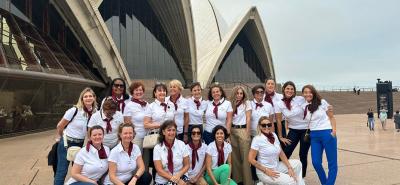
(275, 99)
(92, 166)
(160, 153)
(213, 152)
(182, 106)
(268, 154)
(156, 111)
(77, 128)
(195, 115)
(137, 113)
(211, 120)
(319, 120)
(257, 113)
(201, 152)
(111, 138)
(294, 117)
(240, 117)
(125, 165)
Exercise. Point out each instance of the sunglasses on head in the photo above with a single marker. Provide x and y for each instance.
(196, 133)
(119, 85)
(266, 125)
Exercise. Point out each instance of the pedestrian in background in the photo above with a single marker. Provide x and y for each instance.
(396, 118)
(383, 117)
(371, 121)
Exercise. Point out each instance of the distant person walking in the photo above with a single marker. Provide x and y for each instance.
(383, 117)
(358, 91)
(397, 120)
(370, 119)
(354, 90)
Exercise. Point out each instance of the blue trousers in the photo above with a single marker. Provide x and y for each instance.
(62, 162)
(323, 140)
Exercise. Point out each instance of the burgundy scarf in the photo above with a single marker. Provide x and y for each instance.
(259, 105)
(119, 102)
(102, 152)
(195, 155)
(270, 137)
(287, 102)
(108, 127)
(238, 103)
(176, 100)
(141, 103)
(130, 148)
(305, 111)
(215, 111)
(220, 154)
(88, 112)
(268, 97)
(197, 102)
(170, 157)
(165, 106)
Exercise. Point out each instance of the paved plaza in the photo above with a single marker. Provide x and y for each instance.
(365, 158)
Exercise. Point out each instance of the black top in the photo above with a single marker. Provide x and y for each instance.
(370, 115)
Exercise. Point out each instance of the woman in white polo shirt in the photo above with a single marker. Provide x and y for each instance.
(290, 107)
(197, 154)
(125, 162)
(175, 96)
(171, 158)
(266, 147)
(73, 127)
(272, 97)
(218, 112)
(240, 135)
(117, 91)
(218, 158)
(259, 108)
(109, 118)
(91, 161)
(322, 125)
(195, 110)
(135, 111)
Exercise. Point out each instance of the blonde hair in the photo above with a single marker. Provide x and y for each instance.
(176, 83)
(262, 118)
(80, 104)
(233, 97)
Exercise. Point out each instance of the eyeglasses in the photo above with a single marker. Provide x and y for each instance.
(266, 125)
(259, 92)
(196, 133)
(118, 85)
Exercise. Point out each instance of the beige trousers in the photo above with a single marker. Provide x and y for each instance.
(240, 142)
(284, 178)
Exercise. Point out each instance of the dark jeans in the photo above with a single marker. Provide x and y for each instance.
(145, 179)
(296, 135)
(180, 136)
(208, 137)
(283, 131)
(62, 162)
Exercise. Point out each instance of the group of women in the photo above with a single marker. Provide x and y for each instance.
(216, 141)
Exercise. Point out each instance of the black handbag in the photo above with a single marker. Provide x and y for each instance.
(307, 134)
(52, 157)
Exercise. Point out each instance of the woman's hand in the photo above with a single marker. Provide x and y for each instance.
(292, 174)
(273, 174)
(333, 133)
(285, 141)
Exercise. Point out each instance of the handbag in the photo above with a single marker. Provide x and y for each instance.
(71, 152)
(307, 134)
(151, 139)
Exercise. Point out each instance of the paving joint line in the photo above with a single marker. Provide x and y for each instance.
(34, 163)
(33, 178)
(374, 155)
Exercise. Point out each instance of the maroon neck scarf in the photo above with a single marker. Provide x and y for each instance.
(305, 112)
(259, 105)
(141, 103)
(270, 137)
(238, 103)
(215, 111)
(170, 157)
(220, 154)
(88, 112)
(102, 152)
(195, 155)
(108, 127)
(129, 149)
(174, 101)
(287, 102)
(268, 97)
(197, 102)
(164, 105)
(120, 102)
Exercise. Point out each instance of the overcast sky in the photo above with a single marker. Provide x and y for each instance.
(335, 44)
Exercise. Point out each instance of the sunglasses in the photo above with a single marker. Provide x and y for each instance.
(196, 133)
(259, 92)
(118, 85)
(266, 125)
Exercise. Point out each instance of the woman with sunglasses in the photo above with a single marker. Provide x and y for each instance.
(259, 108)
(290, 107)
(109, 118)
(322, 125)
(90, 163)
(266, 147)
(218, 158)
(197, 153)
(195, 110)
(171, 158)
(218, 112)
(240, 137)
(175, 96)
(117, 91)
(125, 162)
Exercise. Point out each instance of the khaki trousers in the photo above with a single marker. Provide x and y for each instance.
(240, 142)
